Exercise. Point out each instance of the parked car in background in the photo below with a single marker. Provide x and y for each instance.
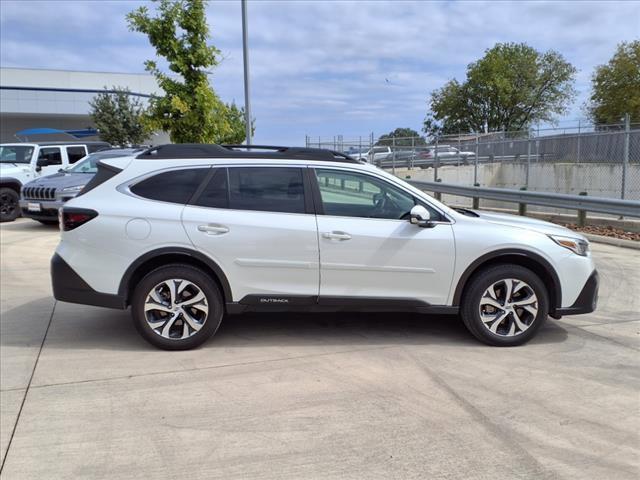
(22, 162)
(373, 155)
(41, 199)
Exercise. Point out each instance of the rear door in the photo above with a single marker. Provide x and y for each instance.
(370, 252)
(257, 223)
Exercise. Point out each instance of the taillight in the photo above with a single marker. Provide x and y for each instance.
(71, 218)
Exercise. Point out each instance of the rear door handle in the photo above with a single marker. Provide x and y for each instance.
(336, 235)
(213, 229)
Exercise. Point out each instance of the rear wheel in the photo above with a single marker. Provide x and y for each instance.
(504, 305)
(177, 307)
(9, 205)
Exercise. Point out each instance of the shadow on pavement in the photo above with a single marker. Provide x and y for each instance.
(83, 327)
(28, 225)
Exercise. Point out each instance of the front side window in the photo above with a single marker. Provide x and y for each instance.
(50, 156)
(75, 153)
(175, 186)
(268, 189)
(349, 194)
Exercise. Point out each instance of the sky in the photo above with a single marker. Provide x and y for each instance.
(327, 68)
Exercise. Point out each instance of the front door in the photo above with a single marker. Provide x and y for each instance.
(258, 224)
(368, 248)
(49, 160)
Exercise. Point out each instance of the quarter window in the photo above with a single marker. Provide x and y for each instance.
(175, 186)
(269, 189)
(348, 194)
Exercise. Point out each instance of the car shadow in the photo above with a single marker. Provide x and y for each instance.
(28, 225)
(84, 327)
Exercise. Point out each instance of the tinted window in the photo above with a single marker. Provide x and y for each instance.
(266, 189)
(175, 186)
(349, 194)
(75, 153)
(215, 194)
(50, 156)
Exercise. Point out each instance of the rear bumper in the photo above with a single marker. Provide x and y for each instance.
(586, 301)
(68, 286)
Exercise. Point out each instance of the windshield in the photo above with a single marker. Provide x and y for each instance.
(16, 153)
(89, 164)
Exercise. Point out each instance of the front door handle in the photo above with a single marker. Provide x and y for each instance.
(335, 235)
(213, 229)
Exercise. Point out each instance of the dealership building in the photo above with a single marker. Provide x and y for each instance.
(49, 100)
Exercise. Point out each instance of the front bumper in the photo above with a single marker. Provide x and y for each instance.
(48, 209)
(68, 286)
(587, 299)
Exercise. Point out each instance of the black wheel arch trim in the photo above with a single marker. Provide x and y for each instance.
(124, 287)
(507, 252)
(10, 182)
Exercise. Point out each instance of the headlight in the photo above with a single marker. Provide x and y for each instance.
(75, 188)
(576, 245)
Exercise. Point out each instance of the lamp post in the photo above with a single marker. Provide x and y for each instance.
(245, 55)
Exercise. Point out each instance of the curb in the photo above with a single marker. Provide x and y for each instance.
(616, 242)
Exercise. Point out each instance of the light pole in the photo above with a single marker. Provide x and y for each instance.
(245, 55)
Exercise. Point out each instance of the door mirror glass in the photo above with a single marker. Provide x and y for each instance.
(420, 216)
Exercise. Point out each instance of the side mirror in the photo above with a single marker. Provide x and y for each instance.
(420, 216)
(38, 168)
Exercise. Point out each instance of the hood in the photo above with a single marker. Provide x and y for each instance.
(8, 169)
(527, 223)
(61, 180)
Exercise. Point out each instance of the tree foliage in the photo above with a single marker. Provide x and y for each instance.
(118, 117)
(190, 110)
(509, 88)
(616, 86)
(403, 136)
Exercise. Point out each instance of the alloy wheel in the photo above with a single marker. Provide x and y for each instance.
(508, 307)
(176, 309)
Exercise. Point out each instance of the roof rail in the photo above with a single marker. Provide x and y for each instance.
(271, 152)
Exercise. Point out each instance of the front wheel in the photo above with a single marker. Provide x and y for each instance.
(177, 307)
(504, 305)
(9, 205)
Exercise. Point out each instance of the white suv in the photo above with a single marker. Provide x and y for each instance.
(185, 234)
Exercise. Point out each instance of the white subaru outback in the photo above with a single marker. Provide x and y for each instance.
(185, 234)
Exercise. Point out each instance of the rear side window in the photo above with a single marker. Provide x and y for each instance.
(270, 189)
(216, 193)
(175, 186)
(75, 153)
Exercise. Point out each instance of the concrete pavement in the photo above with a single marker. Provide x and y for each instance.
(313, 396)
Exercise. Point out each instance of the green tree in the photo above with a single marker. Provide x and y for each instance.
(509, 88)
(190, 110)
(616, 86)
(403, 136)
(118, 117)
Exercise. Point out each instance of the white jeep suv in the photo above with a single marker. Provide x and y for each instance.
(184, 234)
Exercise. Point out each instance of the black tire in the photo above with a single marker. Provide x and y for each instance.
(49, 222)
(473, 294)
(9, 204)
(203, 282)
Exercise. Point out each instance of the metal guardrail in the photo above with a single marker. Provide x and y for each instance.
(627, 208)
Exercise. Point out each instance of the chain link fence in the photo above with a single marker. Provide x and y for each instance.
(598, 160)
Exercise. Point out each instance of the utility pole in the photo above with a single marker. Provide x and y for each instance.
(245, 55)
